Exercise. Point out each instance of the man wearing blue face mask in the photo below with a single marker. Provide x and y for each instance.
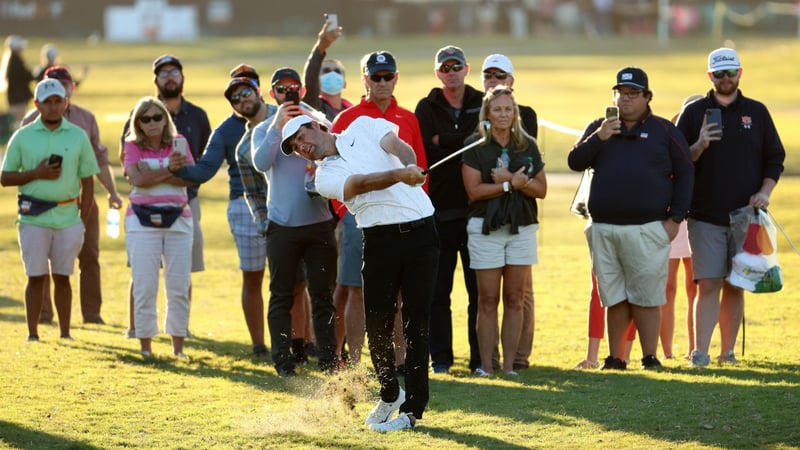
(332, 82)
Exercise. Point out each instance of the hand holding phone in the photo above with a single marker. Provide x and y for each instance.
(179, 145)
(714, 116)
(292, 96)
(332, 20)
(55, 160)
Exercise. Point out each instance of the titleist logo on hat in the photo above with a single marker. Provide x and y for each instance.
(722, 59)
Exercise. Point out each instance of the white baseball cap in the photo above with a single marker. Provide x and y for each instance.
(722, 59)
(48, 88)
(498, 61)
(290, 129)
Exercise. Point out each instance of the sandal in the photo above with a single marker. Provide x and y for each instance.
(586, 364)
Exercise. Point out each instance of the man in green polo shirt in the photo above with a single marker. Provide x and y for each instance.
(52, 163)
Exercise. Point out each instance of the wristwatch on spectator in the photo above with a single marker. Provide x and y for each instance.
(506, 186)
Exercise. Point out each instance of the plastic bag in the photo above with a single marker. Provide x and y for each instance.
(580, 202)
(755, 266)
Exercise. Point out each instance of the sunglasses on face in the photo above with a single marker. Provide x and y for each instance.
(331, 69)
(244, 93)
(497, 75)
(387, 77)
(282, 88)
(446, 68)
(155, 118)
(169, 73)
(501, 91)
(731, 73)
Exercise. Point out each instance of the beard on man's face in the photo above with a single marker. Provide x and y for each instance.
(726, 86)
(170, 90)
(250, 112)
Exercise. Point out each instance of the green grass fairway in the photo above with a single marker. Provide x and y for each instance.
(97, 392)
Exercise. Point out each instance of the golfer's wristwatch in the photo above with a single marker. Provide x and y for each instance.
(506, 186)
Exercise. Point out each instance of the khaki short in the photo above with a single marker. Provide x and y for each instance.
(630, 262)
(49, 250)
(501, 248)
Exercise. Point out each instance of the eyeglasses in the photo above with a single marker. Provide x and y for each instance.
(331, 69)
(387, 77)
(155, 118)
(446, 68)
(630, 95)
(169, 73)
(731, 73)
(282, 88)
(497, 75)
(244, 93)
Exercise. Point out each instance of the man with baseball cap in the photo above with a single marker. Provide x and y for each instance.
(243, 93)
(91, 294)
(52, 163)
(447, 116)
(191, 121)
(498, 70)
(374, 173)
(737, 165)
(640, 192)
(299, 230)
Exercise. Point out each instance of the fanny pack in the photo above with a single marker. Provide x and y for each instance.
(32, 206)
(157, 216)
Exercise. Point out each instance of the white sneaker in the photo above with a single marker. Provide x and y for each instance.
(383, 410)
(401, 422)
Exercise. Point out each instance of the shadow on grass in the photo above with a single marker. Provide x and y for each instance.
(16, 436)
(755, 409)
(15, 310)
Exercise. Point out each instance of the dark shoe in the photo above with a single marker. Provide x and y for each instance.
(98, 320)
(260, 351)
(46, 320)
(310, 349)
(521, 366)
(299, 355)
(441, 368)
(650, 362)
(33, 338)
(612, 363)
(286, 372)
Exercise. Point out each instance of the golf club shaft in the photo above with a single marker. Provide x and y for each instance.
(453, 155)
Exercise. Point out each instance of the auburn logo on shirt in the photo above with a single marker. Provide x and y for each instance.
(747, 122)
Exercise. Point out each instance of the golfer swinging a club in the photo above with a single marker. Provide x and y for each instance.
(373, 172)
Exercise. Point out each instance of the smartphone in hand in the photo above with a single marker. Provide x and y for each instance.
(714, 116)
(332, 20)
(612, 112)
(292, 96)
(55, 160)
(179, 145)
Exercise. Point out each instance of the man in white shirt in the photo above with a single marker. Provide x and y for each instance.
(374, 173)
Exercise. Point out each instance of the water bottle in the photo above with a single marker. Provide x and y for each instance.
(503, 160)
(530, 167)
(112, 223)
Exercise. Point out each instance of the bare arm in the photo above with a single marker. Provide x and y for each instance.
(87, 194)
(392, 143)
(535, 187)
(360, 184)
(477, 189)
(106, 178)
(42, 171)
(142, 176)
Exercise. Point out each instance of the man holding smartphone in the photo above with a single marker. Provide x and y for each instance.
(91, 294)
(736, 167)
(640, 193)
(54, 201)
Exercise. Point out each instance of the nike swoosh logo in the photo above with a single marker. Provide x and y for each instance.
(353, 143)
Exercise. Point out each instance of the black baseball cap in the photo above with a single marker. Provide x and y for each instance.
(633, 77)
(378, 61)
(163, 60)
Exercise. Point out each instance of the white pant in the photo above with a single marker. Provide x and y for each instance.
(145, 251)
